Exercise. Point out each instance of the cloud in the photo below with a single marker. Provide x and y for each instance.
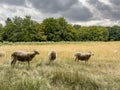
(72, 10)
(115, 2)
(12, 11)
(78, 13)
(75, 11)
(12, 2)
(53, 6)
(107, 11)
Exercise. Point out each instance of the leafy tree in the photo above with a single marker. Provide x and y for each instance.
(114, 33)
(8, 30)
(77, 27)
(40, 33)
(93, 33)
(1, 32)
(57, 29)
(51, 28)
(29, 29)
(19, 29)
(54, 29)
(17, 34)
(72, 33)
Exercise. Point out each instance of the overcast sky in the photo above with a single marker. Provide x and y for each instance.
(83, 12)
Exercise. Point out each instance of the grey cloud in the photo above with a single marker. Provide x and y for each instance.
(53, 6)
(108, 11)
(12, 2)
(92, 1)
(71, 9)
(116, 2)
(78, 13)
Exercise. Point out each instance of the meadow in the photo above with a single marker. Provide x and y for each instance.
(102, 72)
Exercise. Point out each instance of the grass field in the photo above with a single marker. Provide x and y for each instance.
(102, 72)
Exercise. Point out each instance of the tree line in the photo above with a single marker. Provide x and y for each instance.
(19, 29)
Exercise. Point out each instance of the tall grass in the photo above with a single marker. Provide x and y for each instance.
(100, 73)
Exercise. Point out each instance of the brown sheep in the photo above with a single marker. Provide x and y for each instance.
(23, 56)
(52, 56)
(83, 57)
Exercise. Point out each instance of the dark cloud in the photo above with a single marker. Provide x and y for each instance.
(78, 13)
(108, 11)
(53, 6)
(70, 9)
(116, 2)
(12, 2)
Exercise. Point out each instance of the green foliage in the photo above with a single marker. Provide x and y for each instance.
(51, 29)
(1, 32)
(93, 33)
(41, 34)
(114, 33)
(77, 27)
(8, 31)
(20, 29)
(58, 29)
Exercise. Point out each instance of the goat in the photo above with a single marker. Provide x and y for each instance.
(52, 56)
(23, 56)
(83, 57)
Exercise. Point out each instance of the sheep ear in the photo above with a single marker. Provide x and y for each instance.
(91, 53)
(36, 51)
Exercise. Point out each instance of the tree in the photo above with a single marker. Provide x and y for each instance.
(22, 29)
(40, 33)
(1, 32)
(8, 31)
(29, 29)
(72, 33)
(114, 33)
(93, 33)
(57, 29)
(50, 27)
(77, 27)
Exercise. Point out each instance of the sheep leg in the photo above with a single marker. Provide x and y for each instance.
(28, 64)
(75, 59)
(51, 61)
(13, 63)
(86, 62)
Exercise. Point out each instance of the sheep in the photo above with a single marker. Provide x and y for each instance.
(52, 56)
(83, 57)
(23, 56)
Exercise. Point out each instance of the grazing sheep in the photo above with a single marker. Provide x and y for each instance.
(52, 56)
(23, 56)
(83, 57)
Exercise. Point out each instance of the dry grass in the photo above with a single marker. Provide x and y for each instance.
(100, 73)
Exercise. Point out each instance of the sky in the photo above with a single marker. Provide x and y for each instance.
(83, 12)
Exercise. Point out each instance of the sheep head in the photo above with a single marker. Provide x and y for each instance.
(36, 52)
(92, 54)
